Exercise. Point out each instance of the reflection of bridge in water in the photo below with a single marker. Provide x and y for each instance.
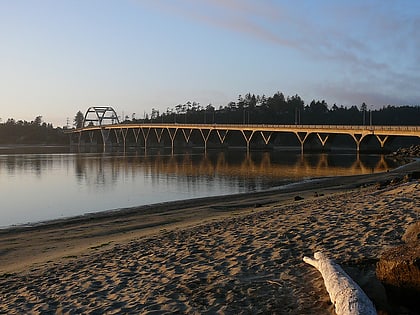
(102, 126)
(259, 165)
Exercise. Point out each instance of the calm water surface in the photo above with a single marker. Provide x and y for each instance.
(42, 186)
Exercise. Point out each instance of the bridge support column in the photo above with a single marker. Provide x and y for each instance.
(145, 136)
(222, 137)
(136, 133)
(91, 134)
(302, 136)
(159, 134)
(105, 136)
(358, 139)
(172, 136)
(266, 139)
(323, 139)
(382, 140)
(205, 137)
(248, 137)
(117, 135)
(187, 135)
(79, 138)
(124, 132)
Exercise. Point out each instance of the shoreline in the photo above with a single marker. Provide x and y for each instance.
(325, 183)
(228, 254)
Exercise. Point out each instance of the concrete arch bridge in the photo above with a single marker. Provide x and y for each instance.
(101, 126)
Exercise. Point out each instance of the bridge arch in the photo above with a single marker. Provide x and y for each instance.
(96, 115)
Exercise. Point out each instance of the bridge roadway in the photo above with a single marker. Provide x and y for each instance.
(302, 132)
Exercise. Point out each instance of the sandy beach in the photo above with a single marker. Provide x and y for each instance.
(238, 254)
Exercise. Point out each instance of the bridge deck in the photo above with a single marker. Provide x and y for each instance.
(357, 132)
(389, 130)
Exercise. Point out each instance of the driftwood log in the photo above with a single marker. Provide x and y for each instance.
(345, 294)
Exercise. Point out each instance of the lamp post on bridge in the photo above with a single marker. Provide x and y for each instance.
(297, 116)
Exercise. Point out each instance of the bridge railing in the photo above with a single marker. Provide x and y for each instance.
(344, 127)
(257, 126)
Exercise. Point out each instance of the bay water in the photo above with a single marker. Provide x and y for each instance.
(49, 183)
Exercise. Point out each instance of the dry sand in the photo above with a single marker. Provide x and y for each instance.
(231, 255)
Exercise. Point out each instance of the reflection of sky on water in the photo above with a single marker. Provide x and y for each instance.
(37, 187)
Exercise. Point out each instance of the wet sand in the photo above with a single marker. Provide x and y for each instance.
(230, 254)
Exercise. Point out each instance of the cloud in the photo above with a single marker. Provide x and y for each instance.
(363, 42)
(355, 92)
(325, 33)
(244, 17)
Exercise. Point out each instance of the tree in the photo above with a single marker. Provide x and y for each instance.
(155, 114)
(178, 109)
(78, 119)
(38, 121)
(318, 108)
(363, 109)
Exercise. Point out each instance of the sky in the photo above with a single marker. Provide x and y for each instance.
(59, 57)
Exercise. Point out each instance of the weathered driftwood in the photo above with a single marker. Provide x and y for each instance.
(348, 298)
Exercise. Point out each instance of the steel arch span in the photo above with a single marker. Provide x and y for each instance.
(96, 115)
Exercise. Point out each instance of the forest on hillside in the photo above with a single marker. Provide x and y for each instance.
(35, 132)
(278, 109)
(248, 109)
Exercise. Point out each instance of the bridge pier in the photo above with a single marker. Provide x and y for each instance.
(187, 135)
(124, 133)
(323, 138)
(105, 136)
(136, 133)
(145, 136)
(159, 134)
(266, 139)
(205, 137)
(358, 139)
(302, 136)
(222, 137)
(382, 140)
(172, 136)
(248, 137)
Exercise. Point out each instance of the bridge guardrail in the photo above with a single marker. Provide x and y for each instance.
(257, 126)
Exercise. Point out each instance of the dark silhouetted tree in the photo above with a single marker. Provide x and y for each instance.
(78, 119)
(38, 121)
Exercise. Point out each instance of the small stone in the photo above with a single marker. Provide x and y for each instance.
(399, 270)
(412, 233)
(400, 266)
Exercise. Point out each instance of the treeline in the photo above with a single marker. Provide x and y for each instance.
(248, 109)
(34, 132)
(278, 109)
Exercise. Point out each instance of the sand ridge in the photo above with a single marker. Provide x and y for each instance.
(245, 262)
